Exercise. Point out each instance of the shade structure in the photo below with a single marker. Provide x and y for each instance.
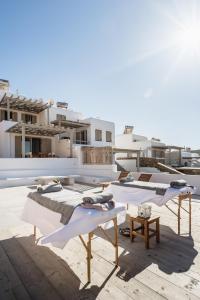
(21, 103)
(70, 124)
(36, 129)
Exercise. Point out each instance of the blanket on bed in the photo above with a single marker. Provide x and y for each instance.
(56, 203)
(159, 188)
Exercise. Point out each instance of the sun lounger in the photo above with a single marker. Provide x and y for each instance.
(60, 218)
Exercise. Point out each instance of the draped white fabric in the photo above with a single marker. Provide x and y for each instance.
(82, 221)
(137, 196)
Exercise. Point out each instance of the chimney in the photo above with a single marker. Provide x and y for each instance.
(62, 104)
(128, 129)
(4, 85)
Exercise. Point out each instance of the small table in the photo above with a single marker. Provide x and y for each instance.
(146, 232)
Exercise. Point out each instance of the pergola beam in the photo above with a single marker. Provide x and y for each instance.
(23, 141)
(70, 124)
(23, 104)
(35, 129)
(122, 150)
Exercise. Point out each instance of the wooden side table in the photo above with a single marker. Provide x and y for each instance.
(145, 231)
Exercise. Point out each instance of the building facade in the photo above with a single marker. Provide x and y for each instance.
(152, 148)
(32, 128)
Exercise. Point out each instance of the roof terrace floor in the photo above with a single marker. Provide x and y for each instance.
(169, 270)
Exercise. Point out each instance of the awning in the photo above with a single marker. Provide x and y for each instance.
(167, 147)
(122, 150)
(35, 129)
(22, 103)
(70, 124)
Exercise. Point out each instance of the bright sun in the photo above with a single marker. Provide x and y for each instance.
(181, 37)
(188, 38)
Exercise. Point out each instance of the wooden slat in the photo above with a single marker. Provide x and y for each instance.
(97, 155)
(32, 278)
(11, 286)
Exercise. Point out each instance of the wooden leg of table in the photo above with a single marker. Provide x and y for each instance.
(89, 256)
(116, 242)
(157, 231)
(34, 231)
(190, 214)
(131, 229)
(146, 234)
(179, 216)
(142, 229)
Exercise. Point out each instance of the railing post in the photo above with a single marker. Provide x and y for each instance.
(23, 140)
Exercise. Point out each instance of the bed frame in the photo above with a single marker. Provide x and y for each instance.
(178, 201)
(88, 245)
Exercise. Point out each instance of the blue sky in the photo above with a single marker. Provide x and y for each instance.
(112, 59)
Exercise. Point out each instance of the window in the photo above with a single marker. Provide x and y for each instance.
(108, 136)
(60, 117)
(4, 115)
(81, 137)
(98, 135)
(29, 119)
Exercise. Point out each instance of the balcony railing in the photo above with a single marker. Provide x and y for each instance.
(81, 142)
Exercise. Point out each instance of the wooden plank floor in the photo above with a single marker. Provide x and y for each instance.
(169, 270)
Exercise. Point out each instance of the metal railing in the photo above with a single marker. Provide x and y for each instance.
(81, 142)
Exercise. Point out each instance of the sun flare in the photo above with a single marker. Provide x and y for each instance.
(188, 38)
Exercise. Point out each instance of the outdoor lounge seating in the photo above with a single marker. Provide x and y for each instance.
(123, 174)
(145, 177)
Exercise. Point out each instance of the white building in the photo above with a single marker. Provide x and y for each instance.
(149, 147)
(34, 129)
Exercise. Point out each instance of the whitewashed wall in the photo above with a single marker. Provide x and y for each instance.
(101, 125)
(128, 164)
(23, 171)
(142, 143)
(7, 140)
(30, 167)
(62, 147)
(70, 114)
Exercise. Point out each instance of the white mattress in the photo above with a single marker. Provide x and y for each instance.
(82, 221)
(137, 196)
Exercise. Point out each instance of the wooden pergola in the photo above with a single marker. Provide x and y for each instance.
(170, 148)
(20, 103)
(36, 130)
(105, 155)
(70, 124)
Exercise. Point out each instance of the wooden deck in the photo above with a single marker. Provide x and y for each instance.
(169, 270)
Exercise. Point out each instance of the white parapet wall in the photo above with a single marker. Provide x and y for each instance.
(30, 167)
(167, 178)
(23, 171)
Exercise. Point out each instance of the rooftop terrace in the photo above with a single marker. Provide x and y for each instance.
(169, 270)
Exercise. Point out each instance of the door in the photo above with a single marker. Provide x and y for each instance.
(36, 146)
(28, 147)
(18, 146)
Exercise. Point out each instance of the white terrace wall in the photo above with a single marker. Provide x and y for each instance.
(30, 167)
(22, 171)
